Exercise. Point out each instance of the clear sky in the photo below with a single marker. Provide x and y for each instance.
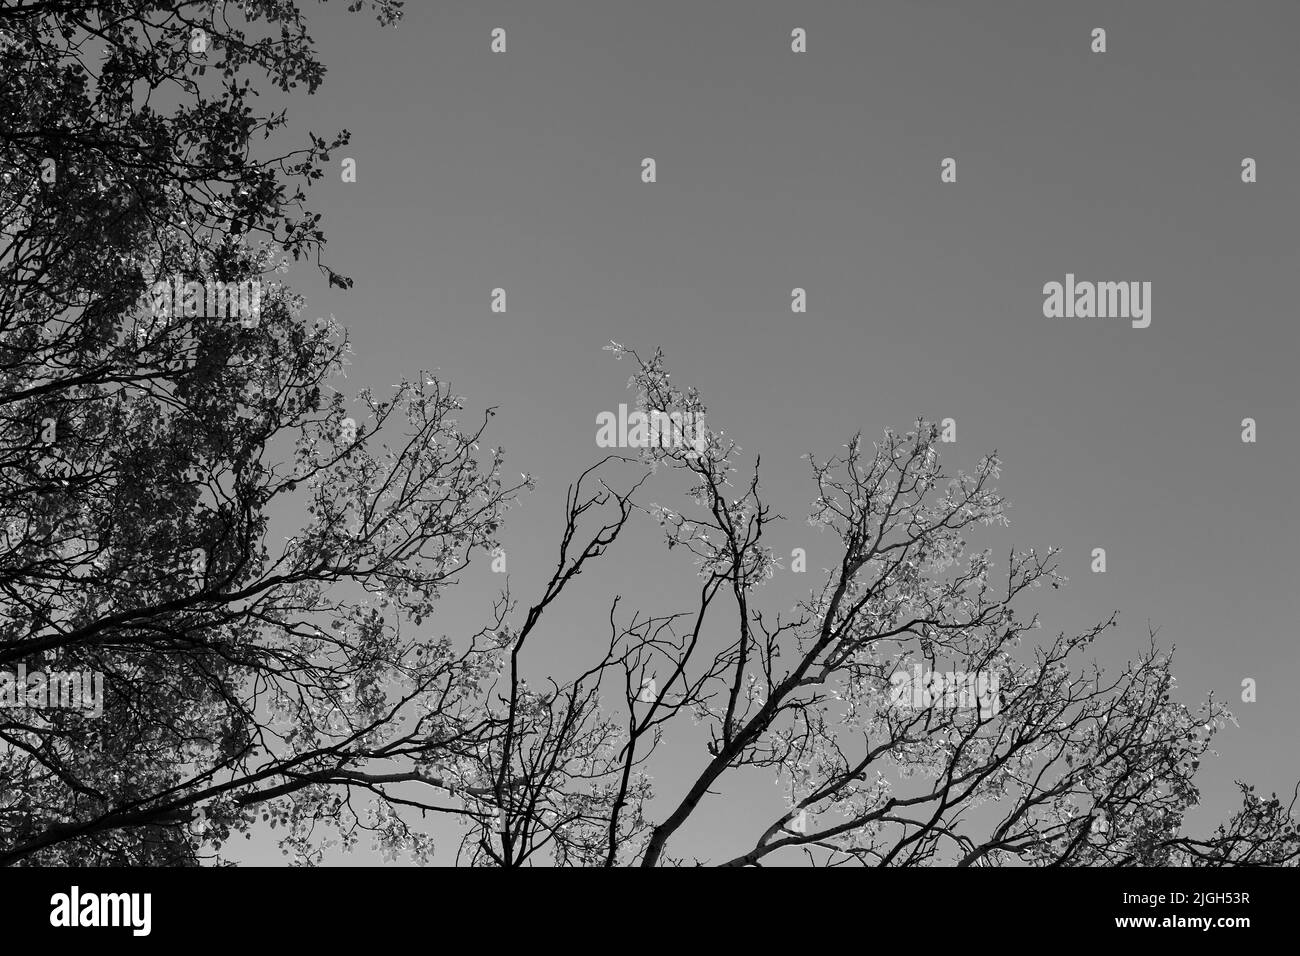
(821, 170)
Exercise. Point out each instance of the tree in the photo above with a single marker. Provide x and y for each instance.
(1071, 766)
(147, 438)
(144, 439)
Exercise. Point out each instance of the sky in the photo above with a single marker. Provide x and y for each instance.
(821, 170)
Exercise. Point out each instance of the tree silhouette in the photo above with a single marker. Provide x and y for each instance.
(1063, 766)
(144, 444)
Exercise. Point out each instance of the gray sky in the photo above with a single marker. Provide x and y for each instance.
(821, 170)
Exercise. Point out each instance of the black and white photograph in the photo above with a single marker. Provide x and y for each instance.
(572, 434)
